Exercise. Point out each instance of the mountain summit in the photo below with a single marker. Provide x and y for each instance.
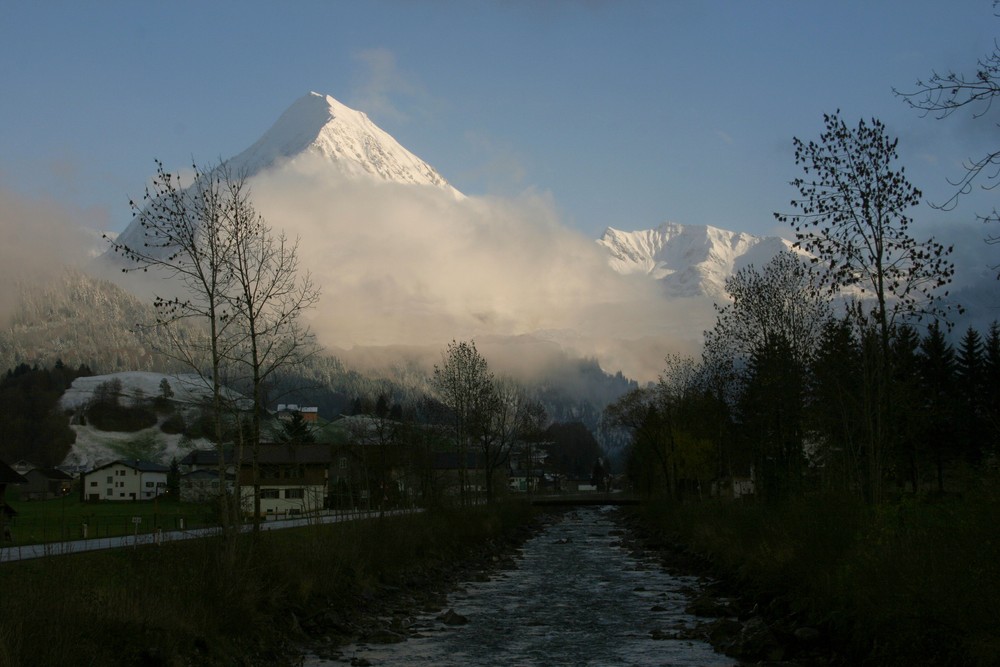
(319, 125)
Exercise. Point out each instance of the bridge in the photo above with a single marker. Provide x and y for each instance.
(588, 499)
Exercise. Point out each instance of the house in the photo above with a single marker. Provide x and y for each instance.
(293, 478)
(7, 476)
(46, 483)
(208, 459)
(202, 485)
(309, 414)
(125, 479)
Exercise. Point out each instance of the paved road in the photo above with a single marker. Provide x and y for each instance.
(28, 551)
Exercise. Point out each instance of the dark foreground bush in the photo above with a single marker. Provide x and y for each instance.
(211, 602)
(912, 582)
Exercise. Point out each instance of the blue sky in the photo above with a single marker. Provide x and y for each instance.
(627, 114)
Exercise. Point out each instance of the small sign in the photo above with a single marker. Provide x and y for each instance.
(137, 519)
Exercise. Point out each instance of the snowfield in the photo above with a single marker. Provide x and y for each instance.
(94, 447)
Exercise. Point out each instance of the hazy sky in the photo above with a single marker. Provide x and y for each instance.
(625, 114)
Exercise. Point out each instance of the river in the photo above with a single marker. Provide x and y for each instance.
(576, 597)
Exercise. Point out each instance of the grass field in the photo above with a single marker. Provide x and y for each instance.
(218, 602)
(60, 519)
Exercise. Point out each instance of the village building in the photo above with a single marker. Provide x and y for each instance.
(125, 479)
(46, 483)
(293, 479)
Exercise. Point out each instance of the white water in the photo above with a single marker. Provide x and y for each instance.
(577, 597)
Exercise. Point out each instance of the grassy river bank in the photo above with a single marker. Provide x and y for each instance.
(247, 602)
(915, 581)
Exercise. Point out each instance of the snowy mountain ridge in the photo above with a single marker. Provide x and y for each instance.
(688, 260)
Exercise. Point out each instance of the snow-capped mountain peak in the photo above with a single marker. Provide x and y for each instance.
(689, 260)
(320, 125)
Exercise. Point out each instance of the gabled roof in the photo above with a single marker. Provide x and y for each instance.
(49, 473)
(10, 476)
(206, 457)
(135, 464)
(291, 453)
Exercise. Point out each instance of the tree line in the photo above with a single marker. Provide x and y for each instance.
(831, 366)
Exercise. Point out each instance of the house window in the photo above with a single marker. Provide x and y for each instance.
(343, 462)
(110, 493)
(269, 493)
(150, 485)
(110, 479)
(295, 493)
(93, 483)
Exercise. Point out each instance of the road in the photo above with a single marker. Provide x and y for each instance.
(29, 551)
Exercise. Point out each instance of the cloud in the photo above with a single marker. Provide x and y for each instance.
(407, 265)
(40, 239)
(382, 82)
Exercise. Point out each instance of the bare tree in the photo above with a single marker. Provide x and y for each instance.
(510, 416)
(267, 298)
(778, 303)
(464, 385)
(945, 93)
(853, 216)
(184, 241)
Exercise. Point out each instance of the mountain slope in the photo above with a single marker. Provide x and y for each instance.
(688, 260)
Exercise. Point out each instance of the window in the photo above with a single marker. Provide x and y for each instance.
(343, 462)
(150, 485)
(269, 493)
(110, 479)
(295, 493)
(93, 483)
(110, 493)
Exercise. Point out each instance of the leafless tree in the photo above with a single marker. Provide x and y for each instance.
(267, 298)
(464, 386)
(945, 93)
(184, 241)
(853, 216)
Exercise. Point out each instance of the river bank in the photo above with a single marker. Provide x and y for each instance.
(830, 580)
(251, 600)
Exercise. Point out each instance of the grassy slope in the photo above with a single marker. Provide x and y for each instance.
(915, 582)
(202, 602)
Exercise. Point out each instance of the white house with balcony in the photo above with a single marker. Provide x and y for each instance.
(125, 479)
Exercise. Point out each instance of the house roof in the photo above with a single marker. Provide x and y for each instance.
(49, 473)
(206, 457)
(10, 476)
(290, 453)
(135, 464)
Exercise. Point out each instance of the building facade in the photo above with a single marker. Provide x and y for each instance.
(125, 479)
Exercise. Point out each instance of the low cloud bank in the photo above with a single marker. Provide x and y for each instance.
(40, 239)
(401, 265)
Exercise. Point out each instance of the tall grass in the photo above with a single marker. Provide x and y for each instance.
(910, 582)
(215, 602)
